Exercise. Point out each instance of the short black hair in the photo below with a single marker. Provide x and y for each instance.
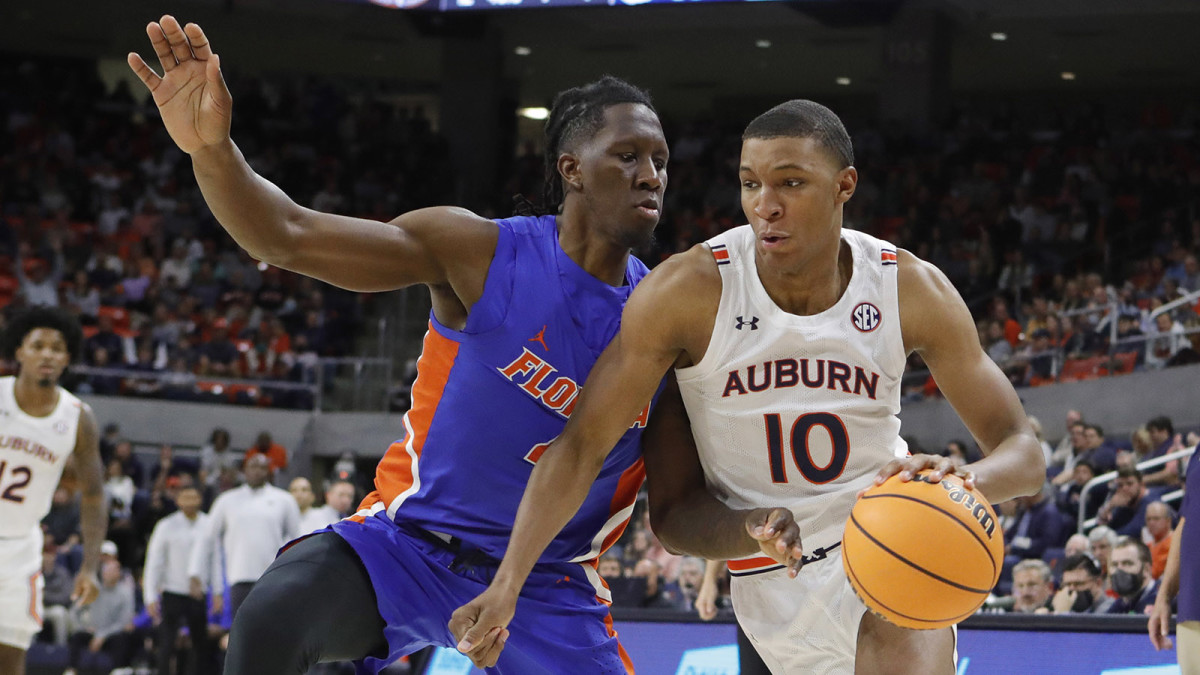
(1082, 561)
(21, 325)
(576, 113)
(801, 118)
(1095, 427)
(1161, 423)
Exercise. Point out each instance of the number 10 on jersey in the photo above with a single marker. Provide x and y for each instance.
(798, 441)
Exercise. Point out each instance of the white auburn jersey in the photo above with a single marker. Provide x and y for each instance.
(798, 411)
(33, 451)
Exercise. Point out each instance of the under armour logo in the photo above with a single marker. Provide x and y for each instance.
(742, 322)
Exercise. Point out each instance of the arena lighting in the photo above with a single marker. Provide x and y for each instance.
(762, 44)
(844, 81)
(522, 51)
(1068, 75)
(999, 37)
(534, 113)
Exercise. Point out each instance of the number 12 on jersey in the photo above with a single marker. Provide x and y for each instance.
(21, 477)
(798, 441)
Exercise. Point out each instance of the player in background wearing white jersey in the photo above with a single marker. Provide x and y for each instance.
(742, 495)
(42, 426)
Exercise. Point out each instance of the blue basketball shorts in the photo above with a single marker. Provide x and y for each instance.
(561, 625)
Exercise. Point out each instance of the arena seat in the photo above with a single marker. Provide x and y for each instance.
(1081, 369)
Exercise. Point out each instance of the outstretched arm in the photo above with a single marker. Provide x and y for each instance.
(439, 246)
(936, 322)
(93, 522)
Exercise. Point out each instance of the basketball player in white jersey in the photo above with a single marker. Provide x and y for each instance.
(42, 426)
(788, 337)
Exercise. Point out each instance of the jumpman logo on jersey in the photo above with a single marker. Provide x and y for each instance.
(753, 323)
(540, 337)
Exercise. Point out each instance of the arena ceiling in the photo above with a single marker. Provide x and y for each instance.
(688, 55)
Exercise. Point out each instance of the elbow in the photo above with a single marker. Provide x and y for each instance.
(660, 516)
(1032, 475)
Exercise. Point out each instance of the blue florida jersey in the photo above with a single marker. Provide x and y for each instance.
(488, 399)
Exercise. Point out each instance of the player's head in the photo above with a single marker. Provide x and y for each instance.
(606, 147)
(796, 171)
(43, 340)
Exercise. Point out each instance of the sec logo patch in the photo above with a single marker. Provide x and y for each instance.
(866, 317)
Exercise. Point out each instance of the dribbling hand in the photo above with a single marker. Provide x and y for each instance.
(191, 95)
(778, 537)
(941, 467)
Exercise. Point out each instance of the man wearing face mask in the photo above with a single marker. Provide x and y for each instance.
(1082, 589)
(1129, 571)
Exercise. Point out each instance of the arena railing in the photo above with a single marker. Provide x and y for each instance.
(1085, 523)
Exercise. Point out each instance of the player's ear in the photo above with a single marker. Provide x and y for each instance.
(571, 170)
(847, 183)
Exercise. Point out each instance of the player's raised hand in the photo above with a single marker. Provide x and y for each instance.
(480, 626)
(778, 536)
(190, 94)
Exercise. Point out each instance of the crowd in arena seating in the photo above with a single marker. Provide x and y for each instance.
(1064, 234)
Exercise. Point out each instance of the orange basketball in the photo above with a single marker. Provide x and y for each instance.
(923, 555)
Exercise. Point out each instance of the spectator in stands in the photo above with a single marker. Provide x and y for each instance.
(1037, 528)
(176, 271)
(340, 497)
(130, 464)
(1102, 539)
(1041, 359)
(1082, 589)
(1071, 493)
(1163, 441)
(107, 339)
(659, 594)
(1033, 587)
(1130, 578)
(40, 287)
(1166, 340)
(311, 518)
(1101, 454)
(1066, 446)
(217, 455)
(119, 493)
(166, 585)
(610, 566)
(1159, 523)
(56, 594)
(1076, 544)
(275, 453)
(106, 625)
(1078, 439)
(956, 450)
(998, 348)
(691, 577)
(1125, 510)
(248, 525)
(83, 298)
(219, 356)
(104, 385)
(62, 521)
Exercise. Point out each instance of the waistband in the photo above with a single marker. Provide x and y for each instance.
(760, 564)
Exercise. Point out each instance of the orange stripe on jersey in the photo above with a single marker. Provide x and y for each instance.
(34, 605)
(751, 563)
(887, 256)
(623, 497)
(720, 254)
(612, 632)
(394, 474)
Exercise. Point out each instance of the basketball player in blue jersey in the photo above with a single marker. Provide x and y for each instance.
(42, 428)
(788, 337)
(522, 307)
